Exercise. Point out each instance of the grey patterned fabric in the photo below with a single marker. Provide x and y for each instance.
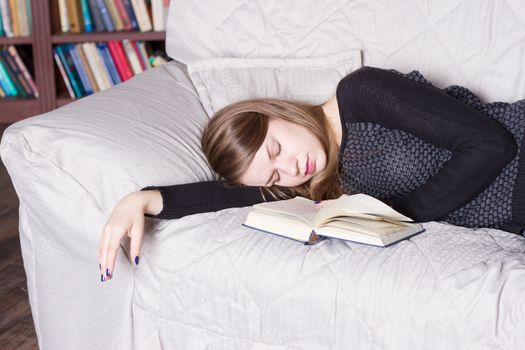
(388, 163)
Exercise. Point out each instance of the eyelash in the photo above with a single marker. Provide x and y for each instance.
(276, 154)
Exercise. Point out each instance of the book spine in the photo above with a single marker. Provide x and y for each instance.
(86, 47)
(80, 69)
(12, 50)
(63, 73)
(75, 16)
(2, 32)
(126, 66)
(65, 27)
(132, 56)
(105, 15)
(2, 93)
(117, 21)
(132, 18)
(11, 71)
(141, 12)
(157, 14)
(144, 53)
(22, 13)
(8, 85)
(17, 72)
(13, 8)
(6, 18)
(108, 61)
(119, 4)
(135, 47)
(86, 16)
(116, 59)
(74, 83)
(97, 16)
(87, 67)
(29, 17)
(101, 66)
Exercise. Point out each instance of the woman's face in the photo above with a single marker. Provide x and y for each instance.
(289, 156)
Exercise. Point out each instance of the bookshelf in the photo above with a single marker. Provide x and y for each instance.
(46, 34)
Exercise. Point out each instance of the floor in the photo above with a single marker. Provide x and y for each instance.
(16, 323)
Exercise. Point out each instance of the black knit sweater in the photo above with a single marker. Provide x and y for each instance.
(433, 155)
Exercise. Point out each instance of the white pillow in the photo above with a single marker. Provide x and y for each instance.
(222, 81)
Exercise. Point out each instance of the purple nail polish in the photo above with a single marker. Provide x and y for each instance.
(317, 202)
(137, 260)
(107, 272)
(99, 267)
(101, 278)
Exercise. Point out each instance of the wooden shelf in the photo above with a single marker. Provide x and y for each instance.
(28, 40)
(107, 36)
(46, 34)
(15, 109)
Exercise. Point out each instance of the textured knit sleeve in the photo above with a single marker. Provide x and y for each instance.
(201, 197)
(480, 146)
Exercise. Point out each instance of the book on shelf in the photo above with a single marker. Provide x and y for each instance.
(15, 18)
(111, 15)
(358, 218)
(15, 79)
(90, 67)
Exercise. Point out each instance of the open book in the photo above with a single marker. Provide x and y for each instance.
(358, 217)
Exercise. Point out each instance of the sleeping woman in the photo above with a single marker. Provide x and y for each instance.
(431, 154)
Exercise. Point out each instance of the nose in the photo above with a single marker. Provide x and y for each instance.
(288, 166)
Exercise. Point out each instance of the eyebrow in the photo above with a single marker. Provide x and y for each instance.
(269, 157)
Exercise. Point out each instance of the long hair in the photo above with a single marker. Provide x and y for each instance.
(236, 132)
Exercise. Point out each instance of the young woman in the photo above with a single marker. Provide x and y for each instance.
(431, 154)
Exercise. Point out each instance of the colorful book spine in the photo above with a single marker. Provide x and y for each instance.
(86, 16)
(14, 17)
(112, 10)
(80, 69)
(108, 62)
(87, 67)
(97, 16)
(65, 27)
(6, 82)
(14, 53)
(22, 14)
(21, 84)
(75, 16)
(63, 73)
(141, 12)
(67, 67)
(141, 45)
(123, 67)
(6, 18)
(12, 73)
(108, 22)
(132, 56)
(2, 32)
(119, 4)
(29, 17)
(131, 14)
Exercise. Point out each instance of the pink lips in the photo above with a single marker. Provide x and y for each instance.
(309, 167)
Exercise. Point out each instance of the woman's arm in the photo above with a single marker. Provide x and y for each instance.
(480, 146)
(176, 201)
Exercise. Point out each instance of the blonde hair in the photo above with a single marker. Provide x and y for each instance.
(236, 132)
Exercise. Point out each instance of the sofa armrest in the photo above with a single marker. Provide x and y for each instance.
(145, 131)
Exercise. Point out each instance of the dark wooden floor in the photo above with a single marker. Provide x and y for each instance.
(16, 323)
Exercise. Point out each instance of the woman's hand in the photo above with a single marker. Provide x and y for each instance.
(126, 219)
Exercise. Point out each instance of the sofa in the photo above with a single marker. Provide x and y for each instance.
(206, 282)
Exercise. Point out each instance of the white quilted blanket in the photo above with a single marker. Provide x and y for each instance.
(213, 284)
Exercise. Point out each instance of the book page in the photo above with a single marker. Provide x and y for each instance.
(298, 207)
(356, 205)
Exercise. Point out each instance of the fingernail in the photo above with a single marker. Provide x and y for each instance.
(99, 267)
(107, 272)
(317, 202)
(101, 278)
(137, 260)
